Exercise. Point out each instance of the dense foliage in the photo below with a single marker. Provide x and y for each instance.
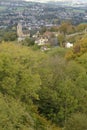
(8, 34)
(19, 86)
(39, 89)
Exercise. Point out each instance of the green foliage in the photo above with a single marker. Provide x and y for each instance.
(77, 122)
(16, 75)
(81, 27)
(19, 86)
(36, 87)
(67, 28)
(74, 70)
(8, 34)
(56, 91)
(80, 48)
(60, 94)
(13, 115)
(28, 42)
(61, 39)
(83, 60)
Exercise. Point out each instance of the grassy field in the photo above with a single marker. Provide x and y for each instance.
(79, 10)
(20, 9)
(2, 8)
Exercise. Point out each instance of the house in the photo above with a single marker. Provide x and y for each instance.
(41, 41)
(45, 48)
(68, 45)
(48, 34)
(36, 35)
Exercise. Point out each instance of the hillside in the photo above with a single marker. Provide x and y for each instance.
(43, 90)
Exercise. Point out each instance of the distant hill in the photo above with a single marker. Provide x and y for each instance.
(10, 0)
(59, 0)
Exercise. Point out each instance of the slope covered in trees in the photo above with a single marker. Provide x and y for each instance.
(42, 90)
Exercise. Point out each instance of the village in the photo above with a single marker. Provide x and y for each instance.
(45, 41)
(35, 20)
(35, 15)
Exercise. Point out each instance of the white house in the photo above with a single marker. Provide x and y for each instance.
(41, 41)
(68, 45)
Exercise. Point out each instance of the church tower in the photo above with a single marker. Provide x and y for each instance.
(20, 34)
(19, 30)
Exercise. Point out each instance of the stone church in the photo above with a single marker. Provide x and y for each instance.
(21, 35)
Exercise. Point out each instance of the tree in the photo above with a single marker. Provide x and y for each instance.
(9, 36)
(66, 28)
(13, 115)
(77, 121)
(81, 27)
(20, 84)
(61, 39)
(28, 42)
(80, 48)
(57, 100)
(74, 70)
(18, 76)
